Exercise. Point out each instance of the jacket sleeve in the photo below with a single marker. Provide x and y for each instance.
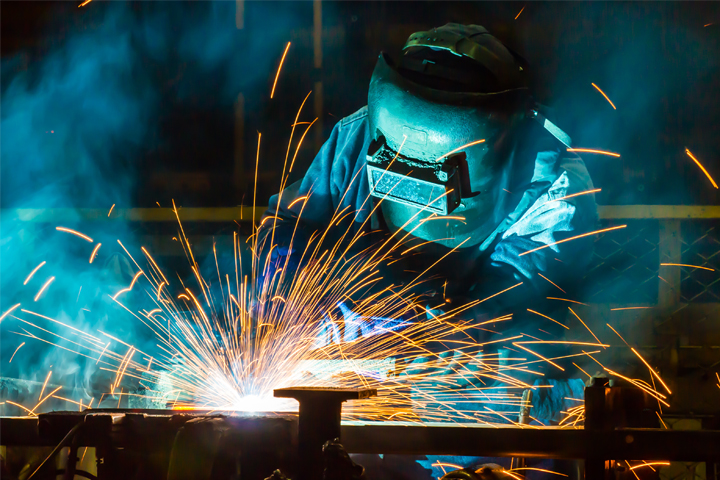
(528, 251)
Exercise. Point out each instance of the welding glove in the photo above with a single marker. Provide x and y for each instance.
(354, 326)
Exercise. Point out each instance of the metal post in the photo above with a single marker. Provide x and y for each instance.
(317, 63)
(239, 133)
(596, 419)
(524, 419)
(670, 251)
(239, 142)
(240, 14)
(319, 421)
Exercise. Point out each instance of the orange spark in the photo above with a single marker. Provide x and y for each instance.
(538, 470)
(578, 367)
(160, 289)
(573, 238)
(132, 284)
(616, 333)
(297, 200)
(101, 354)
(584, 325)
(111, 209)
(603, 94)
(629, 308)
(42, 289)
(9, 311)
(45, 384)
(94, 252)
(83, 236)
(268, 218)
(521, 10)
(545, 316)
(685, 265)
(592, 150)
(701, 167)
(445, 217)
(16, 350)
(425, 243)
(594, 190)
(648, 464)
(508, 473)
(651, 370)
(651, 392)
(539, 356)
(33, 273)
(297, 149)
(451, 465)
(495, 295)
(566, 300)
(633, 472)
(20, 406)
(277, 75)
(459, 148)
(543, 276)
(84, 3)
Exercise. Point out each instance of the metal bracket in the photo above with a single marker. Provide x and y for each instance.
(319, 422)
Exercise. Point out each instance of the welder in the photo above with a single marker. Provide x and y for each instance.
(456, 150)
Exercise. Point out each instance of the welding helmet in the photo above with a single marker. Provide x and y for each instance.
(442, 125)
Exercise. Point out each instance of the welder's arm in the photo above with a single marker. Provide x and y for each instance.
(308, 204)
(544, 224)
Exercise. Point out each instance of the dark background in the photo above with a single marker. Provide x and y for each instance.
(160, 121)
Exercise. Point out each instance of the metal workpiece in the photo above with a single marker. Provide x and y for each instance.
(318, 422)
(144, 444)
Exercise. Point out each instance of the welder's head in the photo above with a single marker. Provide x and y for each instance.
(454, 85)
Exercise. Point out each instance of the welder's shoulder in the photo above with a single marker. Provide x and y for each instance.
(352, 120)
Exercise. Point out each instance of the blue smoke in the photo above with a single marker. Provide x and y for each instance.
(77, 127)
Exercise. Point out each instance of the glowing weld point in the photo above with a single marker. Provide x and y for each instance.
(701, 167)
(43, 288)
(592, 150)
(684, 265)
(603, 94)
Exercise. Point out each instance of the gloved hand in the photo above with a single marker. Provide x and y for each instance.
(355, 327)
